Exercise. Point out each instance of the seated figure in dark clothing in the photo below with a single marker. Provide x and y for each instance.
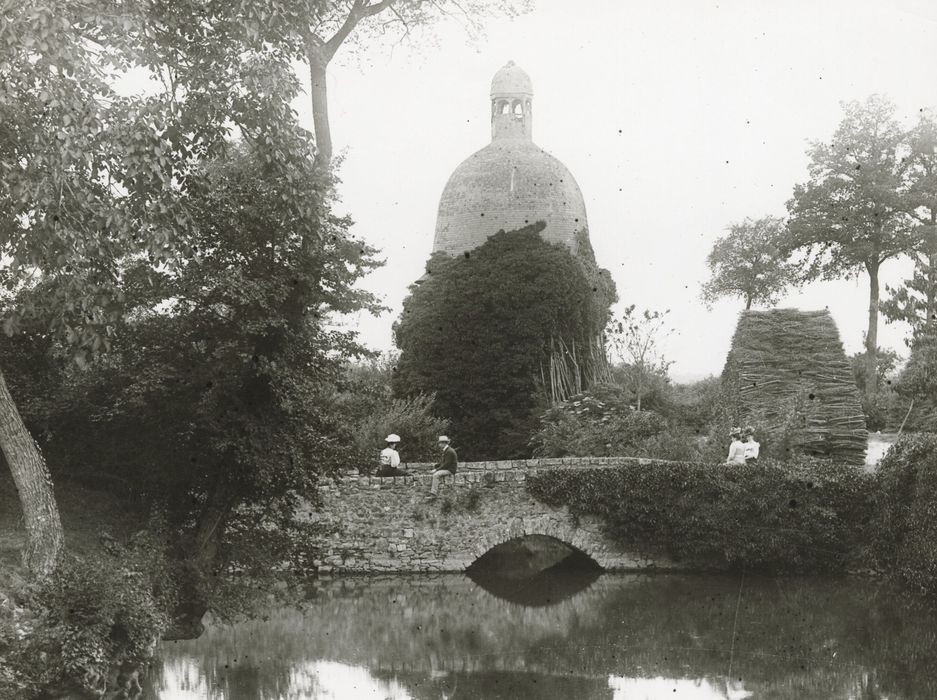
(448, 462)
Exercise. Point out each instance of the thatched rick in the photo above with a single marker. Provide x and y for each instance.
(787, 375)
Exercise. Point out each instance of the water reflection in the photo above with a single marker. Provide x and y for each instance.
(660, 688)
(625, 637)
(180, 680)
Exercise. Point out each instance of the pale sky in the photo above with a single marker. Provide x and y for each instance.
(675, 117)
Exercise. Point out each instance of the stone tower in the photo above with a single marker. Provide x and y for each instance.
(511, 182)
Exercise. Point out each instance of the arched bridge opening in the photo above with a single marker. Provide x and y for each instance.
(534, 570)
(527, 555)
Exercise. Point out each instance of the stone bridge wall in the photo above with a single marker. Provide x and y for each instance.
(376, 524)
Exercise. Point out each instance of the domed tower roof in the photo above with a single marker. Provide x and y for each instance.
(511, 80)
(511, 182)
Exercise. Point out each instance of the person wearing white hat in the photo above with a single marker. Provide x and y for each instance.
(390, 458)
(752, 448)
(737, 448)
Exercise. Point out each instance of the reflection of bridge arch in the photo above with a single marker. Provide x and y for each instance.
(396, 524)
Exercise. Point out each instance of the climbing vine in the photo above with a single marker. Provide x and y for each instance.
(808, 516)
(499, 333)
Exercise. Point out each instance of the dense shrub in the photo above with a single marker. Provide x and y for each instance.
(95, 622)
(496, 333)
(918, 382)
(807, 516)
(601, 422)
(905, 543)
(370, 412)
(691, 405)
(412, 419)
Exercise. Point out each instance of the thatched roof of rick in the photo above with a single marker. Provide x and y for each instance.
(787, 375)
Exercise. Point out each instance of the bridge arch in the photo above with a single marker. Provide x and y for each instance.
(556, 529)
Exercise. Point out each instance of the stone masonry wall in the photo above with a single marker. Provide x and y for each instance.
(396, 524)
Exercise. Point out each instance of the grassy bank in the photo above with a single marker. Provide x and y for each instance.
(89, 517)
(89, 625)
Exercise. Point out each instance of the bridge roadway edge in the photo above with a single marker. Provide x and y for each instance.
(395, 524)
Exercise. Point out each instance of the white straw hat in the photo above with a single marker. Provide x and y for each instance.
(393, 437)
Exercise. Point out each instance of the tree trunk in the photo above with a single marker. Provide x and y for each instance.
(44, 538)
(320, 105)
(200, 567)
(871, 336)
(930, 310)
(748, 302)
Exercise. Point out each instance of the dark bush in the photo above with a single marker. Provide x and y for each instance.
(602, 423)
(96, 621)
(498, 333)
(806, 516)
(905, 543)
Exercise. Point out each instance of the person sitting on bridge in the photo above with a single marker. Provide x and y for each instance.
(448, 462)
(737, 448)
(390, 458)
(751, 447)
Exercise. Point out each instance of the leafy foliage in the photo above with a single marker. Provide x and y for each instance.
(327, 25)
(217, 397)
(748, 263)
(905, 536)
(98, 618)
(365, 399)
(885, 407)
(805, 516)
(851, 216)
(602, 423)
(634, 340)
(918, 381)
(91, 176)
(479, 332)
(915, 302)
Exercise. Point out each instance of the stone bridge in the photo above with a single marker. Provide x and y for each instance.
(373, 524)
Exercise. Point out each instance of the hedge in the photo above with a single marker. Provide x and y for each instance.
(905, 542)
(797, 517)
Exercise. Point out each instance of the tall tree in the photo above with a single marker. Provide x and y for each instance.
(851, 215)
(91, 177)
(748, 263)
(332, 23)
(915, 302)
(213, 401)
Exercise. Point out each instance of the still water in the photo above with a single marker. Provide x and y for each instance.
(614, 637)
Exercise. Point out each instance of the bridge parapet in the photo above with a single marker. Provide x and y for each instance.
(536, 463)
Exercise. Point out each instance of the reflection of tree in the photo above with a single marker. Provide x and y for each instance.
(795, 638)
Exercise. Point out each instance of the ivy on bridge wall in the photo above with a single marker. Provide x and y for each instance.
(804, 516)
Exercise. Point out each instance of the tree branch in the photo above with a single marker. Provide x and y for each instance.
(359, 10)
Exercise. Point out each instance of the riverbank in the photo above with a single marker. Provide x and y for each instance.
(89, 517)
(93, 520)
